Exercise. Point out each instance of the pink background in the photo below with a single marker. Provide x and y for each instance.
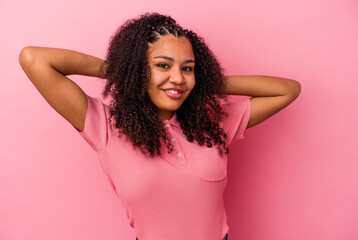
(294, 177)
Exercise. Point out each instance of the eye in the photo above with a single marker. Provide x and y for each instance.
(162, 65)
(188, 69)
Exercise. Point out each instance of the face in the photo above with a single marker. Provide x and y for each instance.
(171, 62)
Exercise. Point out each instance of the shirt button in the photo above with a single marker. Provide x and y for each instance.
(180, 154)
(173, 139)
(166, 126)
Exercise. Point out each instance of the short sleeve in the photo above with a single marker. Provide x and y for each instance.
(97, 131)
(239, 114)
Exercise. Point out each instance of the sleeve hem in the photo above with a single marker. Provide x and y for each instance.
(246, 119)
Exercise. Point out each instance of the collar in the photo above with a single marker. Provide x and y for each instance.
(173, 121)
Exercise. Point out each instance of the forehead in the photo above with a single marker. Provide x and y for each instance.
(169, 45)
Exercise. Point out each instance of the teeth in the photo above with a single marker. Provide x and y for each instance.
(172, 91)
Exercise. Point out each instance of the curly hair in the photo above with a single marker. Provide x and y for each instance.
(128, 76)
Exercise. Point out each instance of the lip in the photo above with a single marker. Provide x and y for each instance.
(173, 95)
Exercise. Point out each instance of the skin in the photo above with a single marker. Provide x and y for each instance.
(47, 69)
(171, 61)
(269, 94)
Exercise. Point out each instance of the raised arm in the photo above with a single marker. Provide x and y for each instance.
(47, 69)
(269, 94)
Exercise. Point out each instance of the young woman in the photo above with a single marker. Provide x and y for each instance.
(163, 141)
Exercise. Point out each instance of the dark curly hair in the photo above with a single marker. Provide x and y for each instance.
(128, 76)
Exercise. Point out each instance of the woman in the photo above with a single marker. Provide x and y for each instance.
(163, 141)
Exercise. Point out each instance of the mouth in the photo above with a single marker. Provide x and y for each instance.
(173, 93)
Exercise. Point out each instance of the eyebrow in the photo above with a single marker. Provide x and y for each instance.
(172, 59)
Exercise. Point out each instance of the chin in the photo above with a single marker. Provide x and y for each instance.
(170, 109)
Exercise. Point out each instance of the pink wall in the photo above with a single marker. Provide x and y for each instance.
(293, 177)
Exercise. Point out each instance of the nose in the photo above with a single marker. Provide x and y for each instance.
(176, 76)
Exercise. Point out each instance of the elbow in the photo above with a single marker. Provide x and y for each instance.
(297, 89)
(294, 89)
(26, 56)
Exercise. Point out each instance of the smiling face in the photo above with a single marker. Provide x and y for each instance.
(171, 62)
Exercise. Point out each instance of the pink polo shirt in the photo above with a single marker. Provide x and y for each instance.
(177, 195)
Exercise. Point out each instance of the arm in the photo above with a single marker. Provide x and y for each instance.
(269, 94)
(47, 69)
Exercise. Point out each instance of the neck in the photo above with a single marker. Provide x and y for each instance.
(165, 115)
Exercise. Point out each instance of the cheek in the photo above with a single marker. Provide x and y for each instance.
(153, 82)
(152, 88)
(157, 79)
(192, 83)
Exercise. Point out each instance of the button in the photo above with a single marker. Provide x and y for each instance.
(173, 139)
(180, 154)
(166, 126)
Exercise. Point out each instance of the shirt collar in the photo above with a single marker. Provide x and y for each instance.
(173, 121)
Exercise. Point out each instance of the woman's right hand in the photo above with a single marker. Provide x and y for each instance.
(47, 69)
